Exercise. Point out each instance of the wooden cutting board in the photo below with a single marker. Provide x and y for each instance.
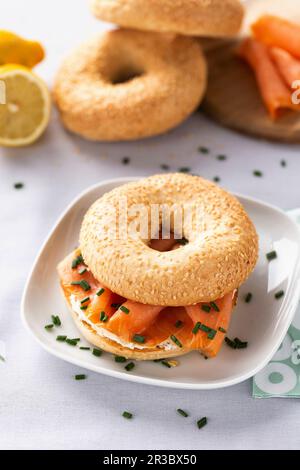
(234, 101)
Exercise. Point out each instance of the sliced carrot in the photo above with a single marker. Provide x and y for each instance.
(287, 65)
(275, 93)
(278, 32)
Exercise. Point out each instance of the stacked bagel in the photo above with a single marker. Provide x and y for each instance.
(146, 77)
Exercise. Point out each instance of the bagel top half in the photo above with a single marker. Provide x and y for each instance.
(188, 17)
(220, 253)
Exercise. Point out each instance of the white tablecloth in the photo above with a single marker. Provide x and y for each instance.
(41, 406)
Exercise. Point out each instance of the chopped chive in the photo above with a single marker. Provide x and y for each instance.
(176, 341)
(82, 271)
(124, 309)
(77, 261)
(202, 422)
(204, 150)
(206, 308)
(240, 344)
(103, 317)
(165, 363)
(86, 299)
(164, 166)
(138, 338)
(178, 324)
(222, 329)
(221, 157)
(230, 343)
(116, 306)
(248, 297)
(129, 366)
(72, 342)
(182, 412)
(212, 334)
(100, 292)
(271, 255)
(97, 352)
(84, 348)
(49, 327)
(83, 307)
(182, 241)
(127, 415)
(84, 284)
(61, 338)
(216, 179)
(120, 359)
(184, 169)
(125, 160)
(258, 173)
(56, 320)
(196, 328)
(279, 294)
(205, 328)
(19, 185)
(80, 377)
(214, 306)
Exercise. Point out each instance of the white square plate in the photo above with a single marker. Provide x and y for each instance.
(263, 322)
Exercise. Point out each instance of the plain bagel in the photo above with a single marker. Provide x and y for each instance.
(187, 17)
(221, 252)
(127, 84)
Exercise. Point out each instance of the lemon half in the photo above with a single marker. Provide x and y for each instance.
(26, 112)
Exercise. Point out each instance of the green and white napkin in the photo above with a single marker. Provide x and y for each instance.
(281, 377)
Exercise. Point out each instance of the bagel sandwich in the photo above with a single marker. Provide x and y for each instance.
(156, 297)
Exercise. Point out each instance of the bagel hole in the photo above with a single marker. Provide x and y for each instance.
(126, 74)
(167, 244)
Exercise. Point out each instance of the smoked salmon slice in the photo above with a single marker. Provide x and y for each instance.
(274, 91)
(287, 65)
(278, 32)
(201, 327)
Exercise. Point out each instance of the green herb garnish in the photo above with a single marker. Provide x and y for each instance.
(83, 307)
(216, 179)
(19, 185)
(127, 415)
(120, 359)
(221, 157)
(212, 334)
(100, 292)
(72, 342)
(222, 330)
(184, 169)
(86, 299)
(124, 309)
(206, 308)
(240, 344)
(97, 352)
(61, 338)
(165, 363)
(103, 317)
(77, 261)
(116, 306)
(80, 377)
(271, 255)
(176, 341)
(204, 328)
(49, 327)
(82, 271)
(202, 422)
(279, 294)
(56, 320)
(214, 306)
(84, 284)
(84, 348)
(129, 366)
(258, 173)
(182, 412)
(204, 150)
(196, 328)
(138, 338)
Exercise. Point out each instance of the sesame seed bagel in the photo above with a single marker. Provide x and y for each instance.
(221, 252)
(127, 85)
(187, 17)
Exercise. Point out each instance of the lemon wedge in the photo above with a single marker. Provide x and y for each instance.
(25, 113)
(16, 50)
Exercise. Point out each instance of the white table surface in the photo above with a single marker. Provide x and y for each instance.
(41, 406)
